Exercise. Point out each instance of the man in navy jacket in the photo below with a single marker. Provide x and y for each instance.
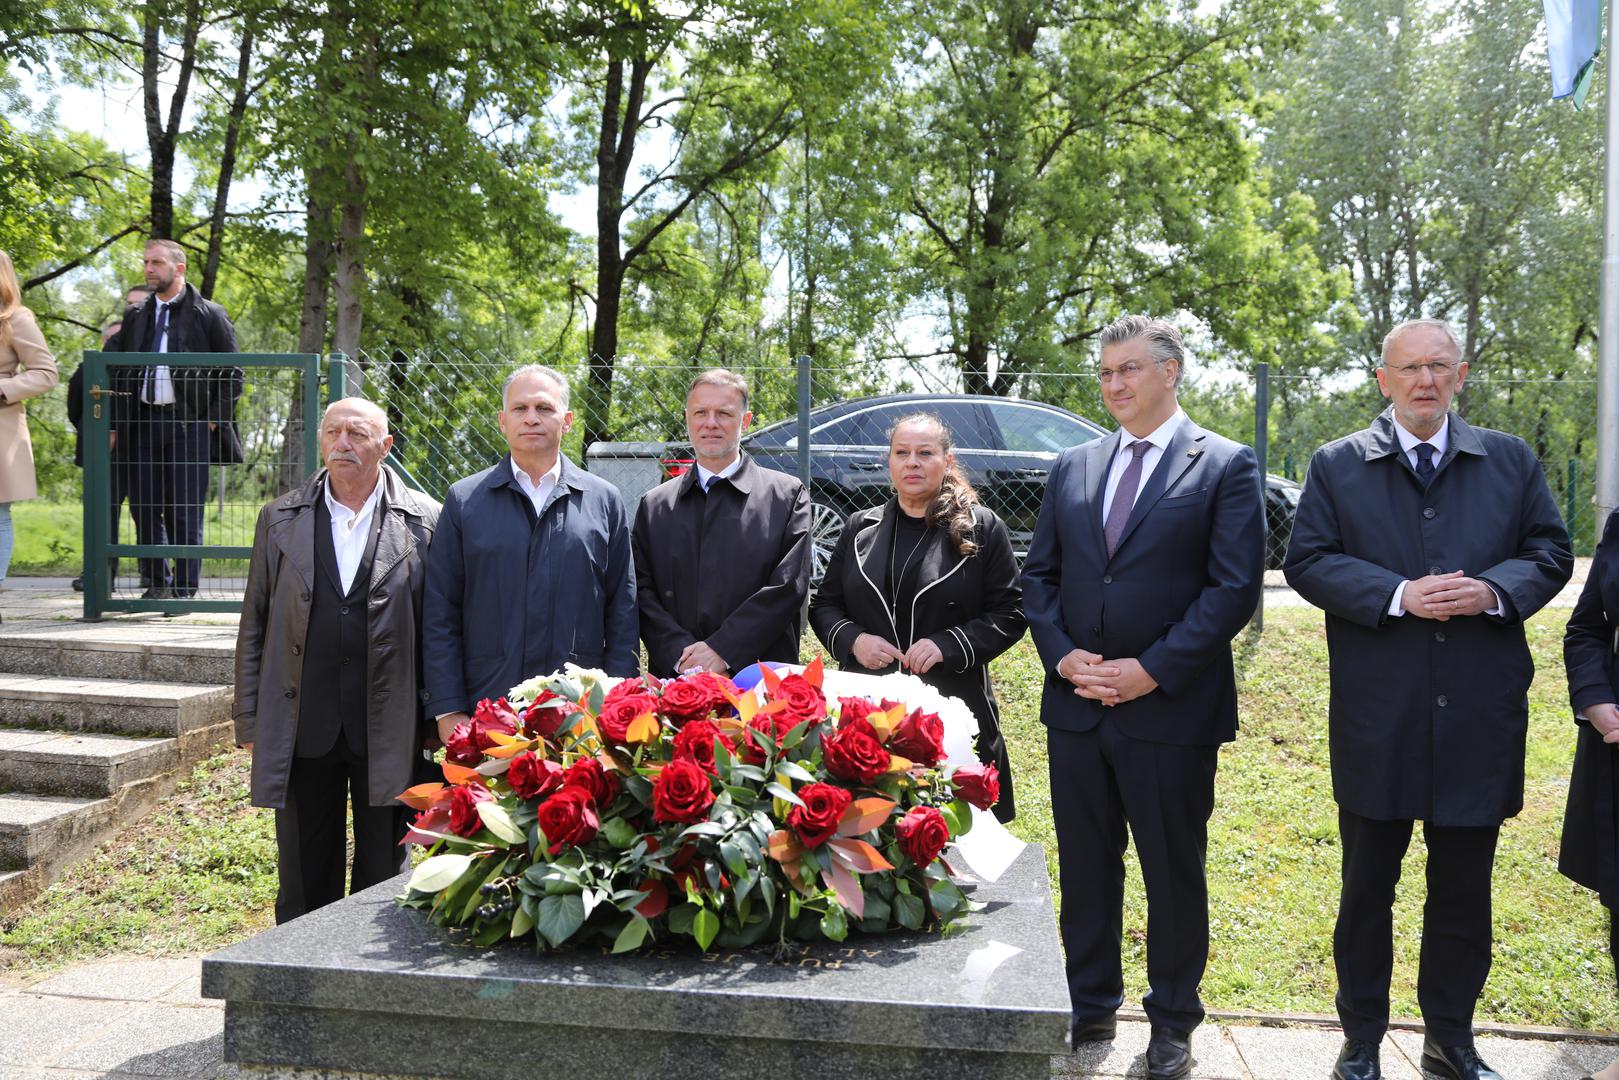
(1147, 560)
(530, 565)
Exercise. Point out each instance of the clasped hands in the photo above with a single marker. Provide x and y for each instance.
(875, 653)
(1605, 718)
(1112, 682)
(1440, 596)
(698, 656)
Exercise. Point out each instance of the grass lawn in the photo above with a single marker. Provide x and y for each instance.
(49, 537)
(200, 871)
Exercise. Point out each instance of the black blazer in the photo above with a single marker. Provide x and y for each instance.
(195, 325)
(1427, 720)
(1590, 849)
(730, 568)
(1183, 582)
(970, 606)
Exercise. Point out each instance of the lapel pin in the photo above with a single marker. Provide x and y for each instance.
(1194, 451)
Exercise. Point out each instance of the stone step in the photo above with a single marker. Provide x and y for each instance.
(45, 830)
(167, 652)
(86, 766)
(17, 887)
(111, 706)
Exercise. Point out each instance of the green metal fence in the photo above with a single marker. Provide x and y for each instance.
(170, 470)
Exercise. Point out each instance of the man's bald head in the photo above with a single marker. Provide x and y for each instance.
(353, 441)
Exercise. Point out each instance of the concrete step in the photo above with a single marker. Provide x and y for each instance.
(17, 887)
(167, 652)
(111, 706)
(86, 766)
(44, 830)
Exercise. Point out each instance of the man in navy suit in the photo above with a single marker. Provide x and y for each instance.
(1147, 560)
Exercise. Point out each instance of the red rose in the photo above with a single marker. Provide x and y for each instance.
(854, 753)
(492, 716)
(696, 741)
(922, 834)
(978, 784)
(804, 702)
(720, 689)
(682, 793)
(532, 776)
(630, 688)
(461, 748)
(588, 773)
(854, 708)
(464, 800)
(568, 819)
(775, 726)
(920, 737)
(616, 718)
(546, 715)
(685, 700)
(818, 818)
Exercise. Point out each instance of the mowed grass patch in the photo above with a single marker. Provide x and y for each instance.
(199, 872)
(195, 874)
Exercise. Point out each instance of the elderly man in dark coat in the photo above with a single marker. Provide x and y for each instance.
(328, 661)
(722, 553)
(530, 568)
(1428, 542)
(1147, 559)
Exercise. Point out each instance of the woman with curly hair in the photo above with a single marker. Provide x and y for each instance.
(927, 582)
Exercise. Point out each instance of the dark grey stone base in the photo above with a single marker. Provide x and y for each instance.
(368, 990)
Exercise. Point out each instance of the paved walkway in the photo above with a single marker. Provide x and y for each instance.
(138, 1019)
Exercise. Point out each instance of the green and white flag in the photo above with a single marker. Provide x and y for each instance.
(1573, 38)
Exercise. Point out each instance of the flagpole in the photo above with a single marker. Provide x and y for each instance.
(1607, 493)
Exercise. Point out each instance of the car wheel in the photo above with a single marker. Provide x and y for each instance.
(826, 527)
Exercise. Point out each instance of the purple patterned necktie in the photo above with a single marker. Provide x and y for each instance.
(1124, 498)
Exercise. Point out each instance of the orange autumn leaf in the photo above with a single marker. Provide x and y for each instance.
(643, 729)
(768, 676)
(864, 815)
(886, 721)
(500, 738)
(419, 797)
(813, 673)
(510, 750)
(784, 847)
(859, 856)
(460, 774)
(897, 764)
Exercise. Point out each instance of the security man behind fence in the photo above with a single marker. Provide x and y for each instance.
(530, 567)
(722, 553)
(1428, 542)
(329, 660)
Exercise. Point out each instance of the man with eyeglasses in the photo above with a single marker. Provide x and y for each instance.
(1147, 559)
(1428, 542)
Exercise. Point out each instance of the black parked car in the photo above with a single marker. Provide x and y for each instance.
(1005, 445)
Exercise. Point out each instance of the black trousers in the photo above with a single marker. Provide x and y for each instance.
(1456, 931)
(312, 843)
(1106, 787)
(168, 486)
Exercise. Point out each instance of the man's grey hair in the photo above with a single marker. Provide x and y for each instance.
(1163, 340)
(541, 370)
(1420, 324)
(721, 377)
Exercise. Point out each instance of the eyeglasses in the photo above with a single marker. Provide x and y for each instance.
(1128, 372)
(1439, 369)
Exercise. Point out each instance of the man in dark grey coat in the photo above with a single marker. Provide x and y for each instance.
(328, 661)
(530, 567)
(722, 553)
(1428, 542)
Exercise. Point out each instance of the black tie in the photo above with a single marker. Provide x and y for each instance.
(1425, 468)
(159, 325)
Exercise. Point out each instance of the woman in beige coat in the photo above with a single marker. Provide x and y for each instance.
(27, 369)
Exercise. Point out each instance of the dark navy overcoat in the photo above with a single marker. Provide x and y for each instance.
(1428, 719)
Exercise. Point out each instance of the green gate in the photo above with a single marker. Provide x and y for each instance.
(276, 418)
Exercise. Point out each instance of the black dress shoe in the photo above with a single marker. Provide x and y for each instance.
(1457, 1062)
(156, 592)
(1357, 1061)
(1169, 1054)
(1102, 1029)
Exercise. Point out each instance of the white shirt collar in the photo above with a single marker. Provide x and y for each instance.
(1158, 436)
(553, 475)
(704, 477)
(341, 514)
(1440, 441)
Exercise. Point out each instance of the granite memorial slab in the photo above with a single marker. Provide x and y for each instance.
(367, 989)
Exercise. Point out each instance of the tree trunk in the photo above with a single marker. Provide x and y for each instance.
(350, 277)
(227, 161)
(161, 136)
(318, 253)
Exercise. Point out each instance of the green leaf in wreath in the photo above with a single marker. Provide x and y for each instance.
(946, 898)
(633, 935)
(498, 821)
(704, 927)
(522, 921)
(439, 872)
(835, 924)
(910, 910)
(560, 918)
